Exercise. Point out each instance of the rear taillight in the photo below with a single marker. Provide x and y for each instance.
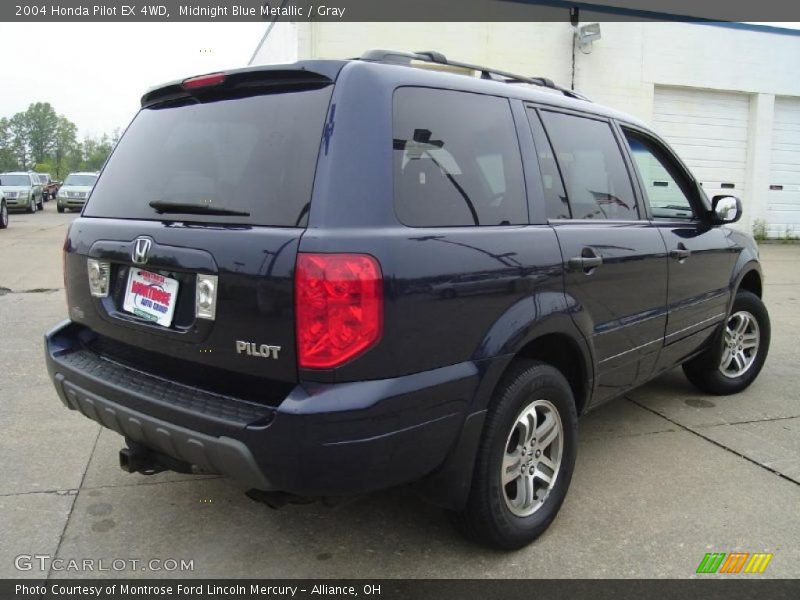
(338, 307)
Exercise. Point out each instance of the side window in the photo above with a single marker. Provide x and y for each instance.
(555, 198)
(664, 187)
(596, 179)
(456, 160)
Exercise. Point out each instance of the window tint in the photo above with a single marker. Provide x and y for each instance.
(555, 198)
(253, 155)
(597, 182)
(663, 192)
(456, 160)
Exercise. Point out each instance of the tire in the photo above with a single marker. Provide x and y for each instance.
(40, 204)
(717, 371)
(59, 208)
(3, 215)
(31, 205)
(497, 515)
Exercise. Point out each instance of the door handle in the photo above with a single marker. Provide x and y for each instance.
(588, 261)
(681, 253)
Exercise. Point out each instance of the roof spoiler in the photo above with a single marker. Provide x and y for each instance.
(245, 82)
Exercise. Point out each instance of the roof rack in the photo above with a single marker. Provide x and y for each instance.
(433, 57)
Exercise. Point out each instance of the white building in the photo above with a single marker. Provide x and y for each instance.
(727, 96)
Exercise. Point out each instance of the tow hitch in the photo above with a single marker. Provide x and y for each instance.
(137, 458)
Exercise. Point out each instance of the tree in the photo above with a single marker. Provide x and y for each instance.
(65, 140)
(41, 138)
(20, 149)
(7, 160)
(95, 152)
(42, 123)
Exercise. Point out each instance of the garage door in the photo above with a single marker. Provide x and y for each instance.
(783, 197)
(708, 130)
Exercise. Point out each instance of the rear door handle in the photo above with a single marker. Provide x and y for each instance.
(680, 253)
(587, 261)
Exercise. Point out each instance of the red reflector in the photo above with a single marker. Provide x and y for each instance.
(338, 307)
(203, 81)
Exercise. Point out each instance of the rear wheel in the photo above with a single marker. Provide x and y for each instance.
(3, 215)
(525, 459)
(738, 351)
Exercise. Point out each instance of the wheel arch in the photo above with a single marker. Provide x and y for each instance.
(751, 280)
(566, 354)
(554, 339)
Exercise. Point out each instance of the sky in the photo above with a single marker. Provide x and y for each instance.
(95, 73)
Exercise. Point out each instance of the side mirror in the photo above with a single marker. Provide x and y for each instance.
(726, 209)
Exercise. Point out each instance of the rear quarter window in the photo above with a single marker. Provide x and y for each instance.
(253, 155)
(456, 160)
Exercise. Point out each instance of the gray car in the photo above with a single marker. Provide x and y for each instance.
(22, 191)
(75, 191)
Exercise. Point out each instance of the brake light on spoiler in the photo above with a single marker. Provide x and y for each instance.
(338, 307)
(202, 81)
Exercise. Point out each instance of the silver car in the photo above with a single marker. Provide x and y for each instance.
(75, 191)
(22, 191)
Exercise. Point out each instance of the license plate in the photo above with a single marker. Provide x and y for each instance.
(151, 296)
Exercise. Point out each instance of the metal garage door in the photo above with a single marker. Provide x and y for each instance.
(708, 130)
(783, 197)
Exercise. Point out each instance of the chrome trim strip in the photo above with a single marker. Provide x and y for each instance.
(715, 317)
(663, 339)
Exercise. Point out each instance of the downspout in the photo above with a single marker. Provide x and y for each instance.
(266, 35)
(574, 19)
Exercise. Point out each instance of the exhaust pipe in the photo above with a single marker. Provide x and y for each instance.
(276, 500)
(138, 458)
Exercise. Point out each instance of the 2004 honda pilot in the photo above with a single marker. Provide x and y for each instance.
(333, 277)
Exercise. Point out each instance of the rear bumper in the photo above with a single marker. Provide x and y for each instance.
(321, 440)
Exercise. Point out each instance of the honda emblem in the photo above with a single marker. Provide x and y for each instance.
(141, 250)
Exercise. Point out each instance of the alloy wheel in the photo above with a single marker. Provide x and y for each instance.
(532, 458)
(740, 343)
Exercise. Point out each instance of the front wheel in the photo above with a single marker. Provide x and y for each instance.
(525, 459)
(3, 215)
(59, 208)
(737, 353)
(32, 205)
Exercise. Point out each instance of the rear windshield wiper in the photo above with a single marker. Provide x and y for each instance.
(162, 207)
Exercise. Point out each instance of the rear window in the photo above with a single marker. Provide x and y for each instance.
(253, 155)
(456, 160)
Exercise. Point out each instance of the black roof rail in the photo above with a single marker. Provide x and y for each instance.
(433, 57)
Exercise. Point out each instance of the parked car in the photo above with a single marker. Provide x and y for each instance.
(22, 191)
(75, 190)
(254, 284)
(49, 187)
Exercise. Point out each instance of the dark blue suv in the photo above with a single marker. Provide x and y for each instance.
(332, 277)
